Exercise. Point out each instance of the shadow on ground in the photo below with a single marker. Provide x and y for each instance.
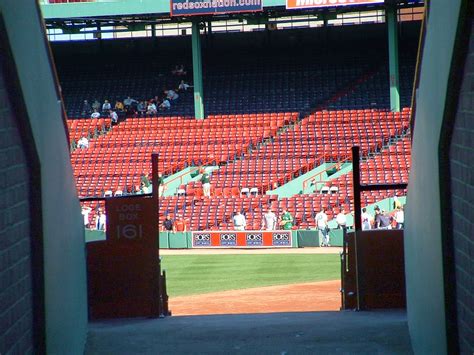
(382, 332)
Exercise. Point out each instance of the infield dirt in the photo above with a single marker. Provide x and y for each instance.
(305, 297)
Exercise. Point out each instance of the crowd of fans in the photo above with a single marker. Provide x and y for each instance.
(163, 102)
(141, 107)
(136, 108)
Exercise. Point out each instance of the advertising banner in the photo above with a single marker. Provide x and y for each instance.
(242, 239)
(309, 4)
(213, 7)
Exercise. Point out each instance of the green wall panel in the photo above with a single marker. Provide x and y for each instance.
(178, 240)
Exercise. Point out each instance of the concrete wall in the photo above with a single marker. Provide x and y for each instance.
(64, 265)
(16, 304)
(462, 203)
(423, 248)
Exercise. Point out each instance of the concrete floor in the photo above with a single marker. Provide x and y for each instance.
(346, 332)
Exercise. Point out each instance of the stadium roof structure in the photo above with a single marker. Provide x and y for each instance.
(71, 17)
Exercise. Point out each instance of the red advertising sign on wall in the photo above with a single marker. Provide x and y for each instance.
(242, 239)
(307, 4)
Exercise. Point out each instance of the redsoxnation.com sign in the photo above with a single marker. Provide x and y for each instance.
(213, 7)
(307, 4)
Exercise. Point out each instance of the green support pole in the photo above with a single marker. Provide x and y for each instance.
(197, 72)
(391, 15)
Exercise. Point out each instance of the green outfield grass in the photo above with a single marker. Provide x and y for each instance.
(197, 274)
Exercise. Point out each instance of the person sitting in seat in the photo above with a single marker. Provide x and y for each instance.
(165, 105)
(118, 106)
(96, 105)
(171, 95)
(86, 108)
(113, 116)
(183, 86)
(106, 106)
(95, 114)
(151, 109)
(83, 143)
(141, 108)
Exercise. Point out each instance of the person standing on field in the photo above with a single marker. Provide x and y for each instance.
(239, 221)
(269, 220)
(322, 222)
(179, 224)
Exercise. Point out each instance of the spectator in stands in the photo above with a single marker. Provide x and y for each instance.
(382, 221)
(342, 220)
(95, 114)
(86, 108)
(399, 217)
(106, 106)
(167, 225)
(239, 221)
(269, 220)
(100, 221)
(165, 105)
(83, 143)
(145, 180)
(171, 95)
(179, 224)
(96, 105)
(130, 105)
(179, 70)
(161, 184)
(118, 106)
(128, 101)
(85, 213)
(113, 116)
(286, 220)
(206, 184)
(322, 223)
(144, 189)
(183, 86)
(366, 220)
(141, 108)
(151, 109)
(396, 202)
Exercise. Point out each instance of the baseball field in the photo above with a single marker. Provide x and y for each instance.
(243, 283)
